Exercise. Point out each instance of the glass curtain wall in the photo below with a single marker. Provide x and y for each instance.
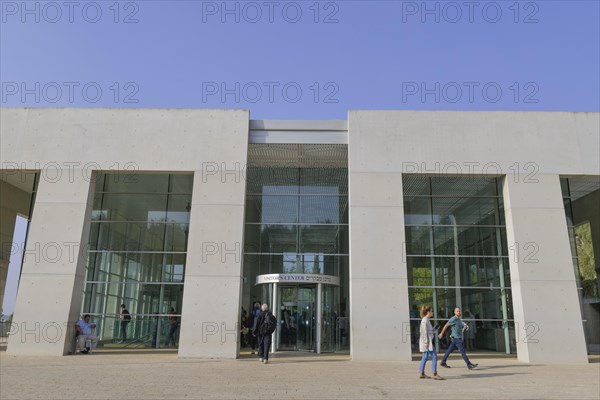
(295, 223)
(581, 197)
(297, 219)
(137, 256)
(457, 256)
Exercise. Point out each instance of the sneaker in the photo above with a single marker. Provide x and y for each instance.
(261, 359)
(437, 377)
(472, 366)
(266, 361)
(423, 376)
(445, 365)
(83, 351)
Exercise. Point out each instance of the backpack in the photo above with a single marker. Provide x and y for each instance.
(127, 317)
(268, 325)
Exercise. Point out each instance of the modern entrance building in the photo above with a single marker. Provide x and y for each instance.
(344, 228)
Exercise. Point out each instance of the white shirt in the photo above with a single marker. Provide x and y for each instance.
(426, 335)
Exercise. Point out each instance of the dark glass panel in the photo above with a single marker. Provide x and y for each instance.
(272, 209)
(133, 182)
(465, 211)
(461, 186)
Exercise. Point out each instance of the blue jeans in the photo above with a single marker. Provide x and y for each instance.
(456, 344)
(424, 361)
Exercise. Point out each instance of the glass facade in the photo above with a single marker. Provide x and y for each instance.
(137, 256)
(457, 256)
(297, 223)
(294, 223)
(581, 197)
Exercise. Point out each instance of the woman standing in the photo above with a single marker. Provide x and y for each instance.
(426, 344)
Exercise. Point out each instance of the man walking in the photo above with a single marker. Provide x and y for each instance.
(265, 324)
(456, 334)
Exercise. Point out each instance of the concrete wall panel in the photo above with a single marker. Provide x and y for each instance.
(53, 270)
(376, 242)
(211, 307)
(544, 293)
(213, 278)
(380, 327)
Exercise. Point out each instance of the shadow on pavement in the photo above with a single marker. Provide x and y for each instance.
(485, 367)
(476, 375)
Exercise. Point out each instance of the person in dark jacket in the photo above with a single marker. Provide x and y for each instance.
(125, 320)
(265, 326)
(252, 318)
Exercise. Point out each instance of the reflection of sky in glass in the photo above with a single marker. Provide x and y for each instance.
(178, 216)
(174, 272)
(99, 214)
(171, 216)
(153, 216)
(423, 219)
(312, 263)
(14, 267)
(289, 263)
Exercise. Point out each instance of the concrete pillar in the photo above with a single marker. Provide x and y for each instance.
(545, 302)
(378, 277)
(51, 285)
(213, 276)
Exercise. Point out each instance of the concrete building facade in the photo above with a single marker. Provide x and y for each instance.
(343, 227)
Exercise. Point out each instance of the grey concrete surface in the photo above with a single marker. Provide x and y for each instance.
(161, 375)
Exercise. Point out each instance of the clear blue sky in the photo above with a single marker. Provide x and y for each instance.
(503, 55)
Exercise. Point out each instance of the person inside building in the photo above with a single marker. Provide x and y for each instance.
(252, 325)
(173, 325)
(125, 320)
(414, 325)
(469, 331)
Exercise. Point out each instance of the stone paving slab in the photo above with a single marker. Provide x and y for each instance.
(137, 375)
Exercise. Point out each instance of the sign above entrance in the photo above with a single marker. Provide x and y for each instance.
(297, 278)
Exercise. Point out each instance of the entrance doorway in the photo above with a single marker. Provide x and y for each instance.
(308, 313)
(297, 318)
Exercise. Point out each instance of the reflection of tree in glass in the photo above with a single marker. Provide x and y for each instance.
(585, 257)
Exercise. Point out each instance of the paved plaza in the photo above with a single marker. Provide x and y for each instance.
(161, 375)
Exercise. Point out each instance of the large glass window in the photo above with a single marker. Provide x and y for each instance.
(137, 256)
(297, 223)
(296, 219)
(581, 197)
(457, 256)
